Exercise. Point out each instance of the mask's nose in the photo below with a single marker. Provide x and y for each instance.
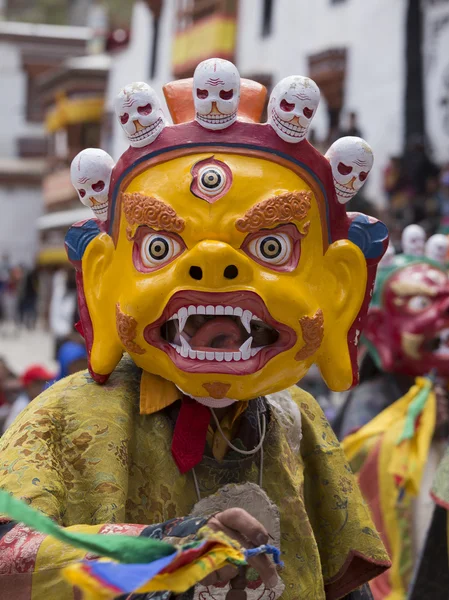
(217, 264)
(230, 272)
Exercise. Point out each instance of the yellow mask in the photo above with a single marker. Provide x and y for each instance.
(225, 265)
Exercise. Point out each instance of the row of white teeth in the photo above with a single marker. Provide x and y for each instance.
(100, 208)
(245, 352)
(212, 117)
(288, 127)
(443, 348)
(147, 131)
(343, 190)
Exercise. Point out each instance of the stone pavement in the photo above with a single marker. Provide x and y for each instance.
(25, 348)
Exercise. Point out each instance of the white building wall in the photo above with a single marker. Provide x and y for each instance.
(133, 63)
(436, 69)
(12, 99)
(372, 32)
(20, 207)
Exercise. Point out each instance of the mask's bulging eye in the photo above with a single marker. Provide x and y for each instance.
(273, 249)
(157, 249)
(418, 303)
(124, 118)
(211, 180)
(202, 94)
(82, 192)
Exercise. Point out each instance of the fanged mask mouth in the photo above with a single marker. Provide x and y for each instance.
(217, 333)
(222, 332)
(439, 345)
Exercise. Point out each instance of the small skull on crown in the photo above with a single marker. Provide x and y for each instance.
(139, 112)
(90, 173)
(216, 93)
(351, 160)
(292, 106)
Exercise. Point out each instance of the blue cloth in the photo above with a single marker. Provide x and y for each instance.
(129, 577)
(265, 549)
(68, 353)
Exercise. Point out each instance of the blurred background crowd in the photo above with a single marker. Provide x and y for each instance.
(383, 71)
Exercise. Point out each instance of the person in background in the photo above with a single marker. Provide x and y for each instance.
(418, 166)
(28, 299)
(72, 357)
(353, 126)
(34, 381)
(10, 387)
(444, 199)
(63, 308)
(426, 208)
(4, 277)
(10, 300)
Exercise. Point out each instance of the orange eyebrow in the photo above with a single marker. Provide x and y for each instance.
(145, 210)
(287, 207)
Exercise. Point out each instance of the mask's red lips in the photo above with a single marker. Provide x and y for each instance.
(230, 332)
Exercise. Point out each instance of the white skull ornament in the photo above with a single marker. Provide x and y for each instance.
(351, 159)
(139, 112)
(437, 247)
(293, 103)
(90, 173)
(413, 240)
(216, 93)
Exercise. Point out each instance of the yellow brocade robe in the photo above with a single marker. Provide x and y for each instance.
(85, 456)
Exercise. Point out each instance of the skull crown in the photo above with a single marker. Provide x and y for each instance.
(139, 112)
(216, 93)
(216, 89)
(90, 173)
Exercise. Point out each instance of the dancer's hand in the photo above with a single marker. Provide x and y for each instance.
(241, 526)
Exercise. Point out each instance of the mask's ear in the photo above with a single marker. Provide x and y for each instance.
(106, 349)
(378, 337)
(345, 271)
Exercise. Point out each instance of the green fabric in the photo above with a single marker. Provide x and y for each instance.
(414, 410)
(125, 549)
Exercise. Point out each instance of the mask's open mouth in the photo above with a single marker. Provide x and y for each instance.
(438, 345)
(219, 333)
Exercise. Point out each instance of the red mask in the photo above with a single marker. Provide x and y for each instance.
(408, 323)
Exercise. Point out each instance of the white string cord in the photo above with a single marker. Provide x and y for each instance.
(262, 433)
(244, 452)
